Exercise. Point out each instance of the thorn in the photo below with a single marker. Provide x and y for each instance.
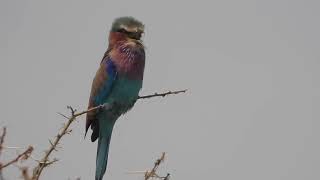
(63, 115)
(69, 131)
(166, 177)
(73, 111)
(54, 148)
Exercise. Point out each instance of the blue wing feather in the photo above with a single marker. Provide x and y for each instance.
(100, 90)
(106, 85)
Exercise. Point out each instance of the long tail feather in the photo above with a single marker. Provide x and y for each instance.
(102, 152)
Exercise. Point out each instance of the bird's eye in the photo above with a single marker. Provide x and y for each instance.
(122, 30)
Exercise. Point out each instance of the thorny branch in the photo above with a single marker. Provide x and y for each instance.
(44, 162)
(153, 172)
(23, 156)
(4, 132)
(53, 145)
(162, 94)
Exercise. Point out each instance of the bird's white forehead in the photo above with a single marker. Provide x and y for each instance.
(132, 28)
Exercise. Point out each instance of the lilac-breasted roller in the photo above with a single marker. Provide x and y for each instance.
(116, 83)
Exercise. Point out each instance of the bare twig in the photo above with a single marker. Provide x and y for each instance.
(53, 145)
(23, 156)
(2, 147)
(44, 162)
(166, 177)
(89, 110)
(63, 115)
(12, 147)
(162, 94)
(152, 172)
(4, 132)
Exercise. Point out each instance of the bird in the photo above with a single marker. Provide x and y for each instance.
(117, 83)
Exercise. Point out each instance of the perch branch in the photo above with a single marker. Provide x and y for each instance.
(162, 94)
(65, 130)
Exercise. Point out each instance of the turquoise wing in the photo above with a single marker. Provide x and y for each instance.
(100, 90)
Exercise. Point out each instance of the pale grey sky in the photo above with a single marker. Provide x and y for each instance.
(252, 68)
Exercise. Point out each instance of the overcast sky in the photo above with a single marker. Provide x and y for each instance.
(252, 69)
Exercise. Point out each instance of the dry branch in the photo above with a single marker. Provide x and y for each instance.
(153, 172)
(23, 156)
(162, 94)
(4, 132)
(1, 146)
(53, 145)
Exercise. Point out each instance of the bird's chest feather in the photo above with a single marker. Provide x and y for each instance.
(129, 58)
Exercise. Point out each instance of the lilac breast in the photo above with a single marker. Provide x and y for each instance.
(129, 58)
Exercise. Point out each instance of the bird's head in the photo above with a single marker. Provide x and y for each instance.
(129, 27)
